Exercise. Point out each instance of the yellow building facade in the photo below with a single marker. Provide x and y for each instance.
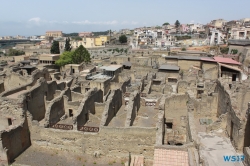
(101, 40)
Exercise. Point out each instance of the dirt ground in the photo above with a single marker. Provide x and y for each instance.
(35, 156)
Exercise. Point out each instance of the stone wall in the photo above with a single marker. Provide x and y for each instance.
(246, 152)
(55, 110)
(70, 105)
(61, 85)
(186, 64)
(76, 96)
(113, 104)
(192, 132)
(167, 74)
(51, 90)
(235, 103)
(35, 99)
(16, 141)
(15, 80)
(160, 123)
(132, 108)
(2, 87)
(122, 85)
(88, 105)
(30, 81)
(168, 89)
(147, 89)
(16, 138)
(114, 142)
(182, 86)
(206, 107)
(157, 88)
(6, 58)
(176, 112)
(210, 70)
(239, 48)
(104, 85)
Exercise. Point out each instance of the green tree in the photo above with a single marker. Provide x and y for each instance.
(65, 58)
(177, 24)
(123, 39)
(55, 48)
(67, 45)
(80, 55)
(166, 23)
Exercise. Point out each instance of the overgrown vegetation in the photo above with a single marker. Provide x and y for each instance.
(14, 52)
(183, 49)
(224, 50)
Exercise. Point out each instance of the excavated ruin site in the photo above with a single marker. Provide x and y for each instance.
(130, 110)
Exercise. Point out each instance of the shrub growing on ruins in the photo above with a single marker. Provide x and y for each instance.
(234, 51)
(183, 49)
(65, 58)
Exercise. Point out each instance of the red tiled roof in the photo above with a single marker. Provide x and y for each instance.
(226, 60)
(167, 157)
(222, 60)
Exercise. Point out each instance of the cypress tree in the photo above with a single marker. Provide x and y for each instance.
(67, 45)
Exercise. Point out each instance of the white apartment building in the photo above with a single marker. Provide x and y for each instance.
(240, 33)
(216, 37)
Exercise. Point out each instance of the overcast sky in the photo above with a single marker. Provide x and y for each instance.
(35, 17)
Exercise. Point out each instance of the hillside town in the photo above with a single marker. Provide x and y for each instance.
(169, 95)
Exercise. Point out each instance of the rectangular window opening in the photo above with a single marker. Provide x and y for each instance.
(9, 121)
(70, 113)
(169, 125)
